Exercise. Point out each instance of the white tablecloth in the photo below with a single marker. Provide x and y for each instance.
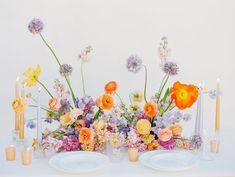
(223, 165)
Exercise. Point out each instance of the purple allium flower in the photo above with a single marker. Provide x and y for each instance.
(31, 124)
(35, 26)
(66, 69)
(195, 142)
(170, 68)
(71, 143)
(170, 144)
(134, 64)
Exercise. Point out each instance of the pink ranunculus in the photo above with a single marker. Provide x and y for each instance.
(165, 134)
(170, 144)
(76, 112)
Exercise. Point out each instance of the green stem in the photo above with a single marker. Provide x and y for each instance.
(34, 106)
(162, 84)
(145, 83)
(45, 88)
(119, 98)
(168, 107)
(83, 82)
(97, 115)
(159, 96)
(58, 61)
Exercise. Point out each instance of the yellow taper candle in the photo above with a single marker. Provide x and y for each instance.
(17, 115)
(217, 113)
(21, 128)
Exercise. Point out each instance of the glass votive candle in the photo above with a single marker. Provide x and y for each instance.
(215, 146)
(133, 154)
(10, 153)
(26, 156)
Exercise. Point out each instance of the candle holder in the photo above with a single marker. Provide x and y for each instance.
(26, 156)
(10, 153)
(215, 143)
(133, 154)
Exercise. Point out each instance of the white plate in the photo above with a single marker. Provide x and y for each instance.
(172, 160)
(78, 162)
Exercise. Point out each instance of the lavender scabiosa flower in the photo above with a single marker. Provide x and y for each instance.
(35, 26)
(31, 124)
(195, 142)
(66, 69)
(134, 64)
(170, 68)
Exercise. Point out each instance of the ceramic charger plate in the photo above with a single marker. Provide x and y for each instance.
(78, 162)
(169, 160)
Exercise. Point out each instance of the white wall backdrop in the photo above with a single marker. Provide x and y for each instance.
(201, 35)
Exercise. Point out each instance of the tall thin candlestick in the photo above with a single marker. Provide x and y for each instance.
(21, 125)
(17, 115)
(217, 113)
(39, 121)
(199, 115)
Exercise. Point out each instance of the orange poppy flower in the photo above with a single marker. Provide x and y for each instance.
(105, 102)
(110, 87)
(184, 95)
(150, 109)
(86, 135)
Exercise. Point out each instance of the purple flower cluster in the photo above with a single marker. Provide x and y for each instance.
(31, 124)
(66, 69)
(134, 64)
(170, 68)
(71, 143)
(87, 104)
(142, 115)
(35, 26)
(195, 142)
(65, 105)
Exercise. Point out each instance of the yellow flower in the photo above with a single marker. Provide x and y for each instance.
(143, 127)
(176, 129)
(88, 147)
(148, 138)
(66, 119)
(19, 105)
(31, 76)
(100, 125)
(153, 145)
(136, 96)
(135, 106)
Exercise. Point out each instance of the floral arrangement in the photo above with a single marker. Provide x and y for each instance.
(88, 124)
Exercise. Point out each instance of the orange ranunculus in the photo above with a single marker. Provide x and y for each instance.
(110, 87)
(19, 105)
(54, 104)
(150, 109)
(86, 135)
(105, 102)
(184, 95)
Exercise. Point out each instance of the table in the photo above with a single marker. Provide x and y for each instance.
(223, 165)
